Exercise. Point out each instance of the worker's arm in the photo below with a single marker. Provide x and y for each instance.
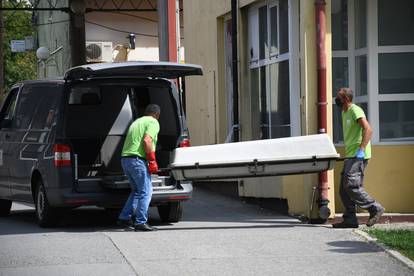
(150, 154)
(366, 132)
(147, 143)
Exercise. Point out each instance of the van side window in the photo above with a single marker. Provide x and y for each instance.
(28, 100)
(85, 95)
(46, 110)
(9, 106)
(36, 106)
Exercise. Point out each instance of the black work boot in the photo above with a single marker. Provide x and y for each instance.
(375, 215)
(345, 224)
(144, 227)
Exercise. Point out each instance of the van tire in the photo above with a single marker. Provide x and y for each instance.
(5, 207)
(47, 216)
(170, 212)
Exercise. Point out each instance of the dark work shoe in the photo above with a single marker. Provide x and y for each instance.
(124, 222)
(375, 216)
(144, 227)
(344, 224)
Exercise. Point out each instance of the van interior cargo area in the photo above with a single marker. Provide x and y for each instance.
(98, 117)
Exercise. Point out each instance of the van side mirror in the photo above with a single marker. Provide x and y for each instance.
(5, 123)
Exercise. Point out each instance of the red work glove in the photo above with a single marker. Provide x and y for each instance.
(152, 162)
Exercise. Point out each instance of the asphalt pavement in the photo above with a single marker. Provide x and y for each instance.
(217, 236)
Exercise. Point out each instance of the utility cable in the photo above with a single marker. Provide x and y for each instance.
(119, 30)
(136, 16)
(139, 17)
(33, 25)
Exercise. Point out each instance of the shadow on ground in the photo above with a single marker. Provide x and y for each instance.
(206, 210)
(353, 247)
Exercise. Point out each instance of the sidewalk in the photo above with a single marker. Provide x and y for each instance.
(386, 218)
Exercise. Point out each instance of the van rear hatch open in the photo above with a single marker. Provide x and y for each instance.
(167, 70)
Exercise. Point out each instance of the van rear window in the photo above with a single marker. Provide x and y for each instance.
(85, 95)
(98, 111)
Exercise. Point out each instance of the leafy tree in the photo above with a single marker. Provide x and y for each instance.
(17, 66)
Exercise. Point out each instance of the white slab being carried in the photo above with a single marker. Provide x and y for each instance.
(282, 156)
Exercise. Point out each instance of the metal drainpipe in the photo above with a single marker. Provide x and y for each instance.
(235, 74)
(323, 200)
(172, 30)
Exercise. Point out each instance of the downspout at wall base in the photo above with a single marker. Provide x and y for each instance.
(324, 211)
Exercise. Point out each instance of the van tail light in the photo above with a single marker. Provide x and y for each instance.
(62, 155)
(184, 143)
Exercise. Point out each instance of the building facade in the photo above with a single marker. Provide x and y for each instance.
(106, 33)
(369, 47)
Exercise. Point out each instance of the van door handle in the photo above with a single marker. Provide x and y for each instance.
(7, 136)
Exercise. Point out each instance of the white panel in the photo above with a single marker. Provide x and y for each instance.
(107, 51)
(290, 148)
(123, 120)
(292, 155)
(144, 54)
(252, 170)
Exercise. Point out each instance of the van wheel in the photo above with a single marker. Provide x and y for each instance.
(47, 216)
(5, 206)
(170, 212)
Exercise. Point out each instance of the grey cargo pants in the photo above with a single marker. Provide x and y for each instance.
(352, 191)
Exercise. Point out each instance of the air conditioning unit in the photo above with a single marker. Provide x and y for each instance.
(98, 51)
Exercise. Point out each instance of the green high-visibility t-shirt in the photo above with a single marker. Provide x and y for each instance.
(134, 145)
(353, 131)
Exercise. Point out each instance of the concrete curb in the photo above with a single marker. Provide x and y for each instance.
(393, 253)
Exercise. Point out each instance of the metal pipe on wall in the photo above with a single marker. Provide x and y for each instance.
(162, 8)
(235, 72)
(167, 30)
(1, 51)
(320, 18)
(172, 30)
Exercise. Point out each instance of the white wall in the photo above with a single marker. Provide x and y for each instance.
(134, 22)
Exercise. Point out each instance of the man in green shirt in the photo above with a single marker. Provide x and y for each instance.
(357, 135)
(138, 162)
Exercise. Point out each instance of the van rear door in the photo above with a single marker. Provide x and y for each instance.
(168, 70)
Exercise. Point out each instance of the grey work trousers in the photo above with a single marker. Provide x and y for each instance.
(352, 191)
